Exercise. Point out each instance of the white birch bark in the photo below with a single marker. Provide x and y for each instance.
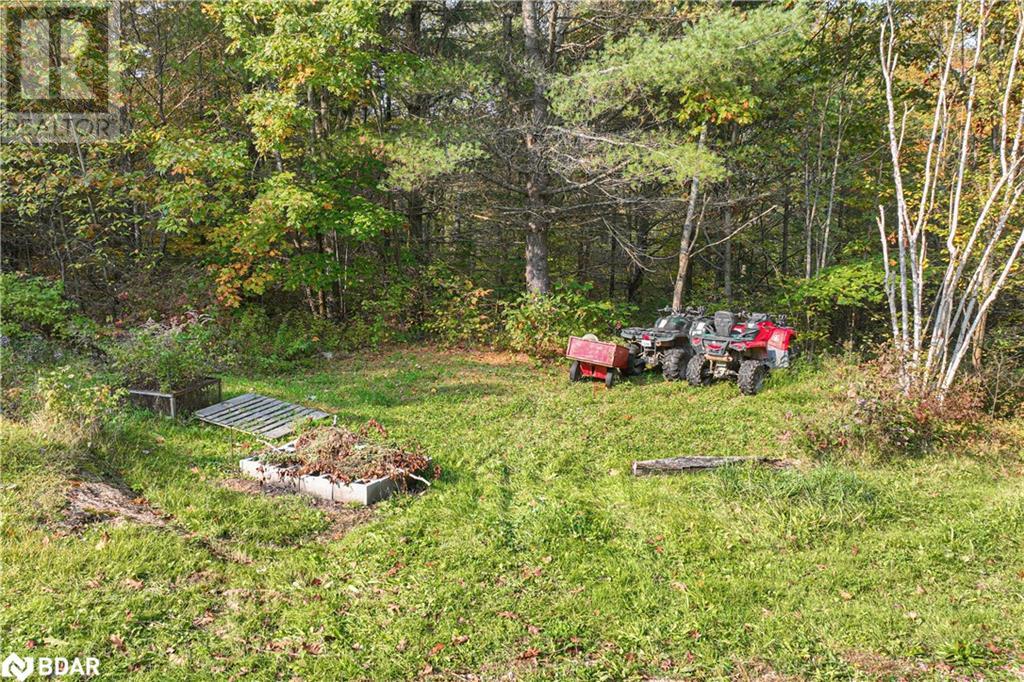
(955, 170)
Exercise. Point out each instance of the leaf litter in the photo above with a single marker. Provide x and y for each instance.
(345, 456)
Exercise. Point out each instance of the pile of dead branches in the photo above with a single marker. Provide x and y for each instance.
(345, 456)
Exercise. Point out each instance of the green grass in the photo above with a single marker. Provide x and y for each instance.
(537, 553)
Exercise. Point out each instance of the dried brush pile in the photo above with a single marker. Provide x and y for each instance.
(345, 456)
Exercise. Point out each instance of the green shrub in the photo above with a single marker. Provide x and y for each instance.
(838, 300)
(245, 333)
(33, 305)
(251, 338)
(162, 357)
(871, 415)
(541, 325)
(394, 315)
(458, 311)
(72, 404)
(295, 337)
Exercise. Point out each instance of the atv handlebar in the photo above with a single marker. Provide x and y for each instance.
(777, 319)
(697, 311)
(701, 311)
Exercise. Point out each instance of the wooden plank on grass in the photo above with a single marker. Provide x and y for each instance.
(222, 408)
(258, 415)
(239, 414)
(682, 465)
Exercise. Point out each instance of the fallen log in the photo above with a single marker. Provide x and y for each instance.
(677, 465)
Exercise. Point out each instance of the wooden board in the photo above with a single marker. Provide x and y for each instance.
(675, 465)
(257, 414)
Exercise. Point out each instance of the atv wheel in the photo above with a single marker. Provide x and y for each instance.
(610, 377)
(673, 363)
(751, 376)
(636, 361)
(698, 371)
(575, 373)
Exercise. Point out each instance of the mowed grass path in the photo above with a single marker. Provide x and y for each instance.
(536, 553)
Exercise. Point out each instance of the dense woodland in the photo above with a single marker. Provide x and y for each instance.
(413, 169)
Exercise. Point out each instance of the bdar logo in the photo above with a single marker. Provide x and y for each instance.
(16, 666)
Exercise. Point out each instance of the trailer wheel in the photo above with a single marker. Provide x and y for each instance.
(698, 371)
(751, 376)
(610, 377)
(575, 373)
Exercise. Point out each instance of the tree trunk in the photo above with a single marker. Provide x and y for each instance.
(785, 235)
(727, 256)
(727, 219)
(611, 265)
(636, 273)
(689, 464)
(418, 109)
(978, 341)
(538, 280)
(686, 239)
(418, 225)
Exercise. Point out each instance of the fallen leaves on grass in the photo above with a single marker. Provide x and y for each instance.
(203, 620)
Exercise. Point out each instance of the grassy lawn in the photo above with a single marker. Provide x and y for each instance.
(536, 554)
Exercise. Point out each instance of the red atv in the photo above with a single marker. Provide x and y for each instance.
(746, 346)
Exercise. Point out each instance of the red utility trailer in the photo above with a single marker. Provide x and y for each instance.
(596, 359)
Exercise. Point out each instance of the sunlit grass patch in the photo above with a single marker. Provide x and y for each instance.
(535, 553)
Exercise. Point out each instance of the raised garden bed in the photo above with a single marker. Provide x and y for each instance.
(356, 492)
(199, 394)
(335, 464)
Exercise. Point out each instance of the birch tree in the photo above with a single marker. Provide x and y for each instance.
(957, 183)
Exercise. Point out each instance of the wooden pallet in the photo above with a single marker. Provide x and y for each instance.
(257, 414)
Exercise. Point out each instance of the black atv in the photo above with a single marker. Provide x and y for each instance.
(665, 345)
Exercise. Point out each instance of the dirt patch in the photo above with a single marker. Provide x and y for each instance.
(499, 358)
(102, 501)
(880, 666)
(343, 519)
(760, 671)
